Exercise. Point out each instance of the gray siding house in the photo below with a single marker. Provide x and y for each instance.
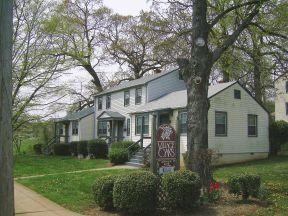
(76, 126)
(237, 124)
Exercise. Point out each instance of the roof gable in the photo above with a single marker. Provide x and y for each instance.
(137, 82)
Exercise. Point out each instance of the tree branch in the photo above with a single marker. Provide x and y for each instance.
(232, 38)
(269, 32)
(228, 10)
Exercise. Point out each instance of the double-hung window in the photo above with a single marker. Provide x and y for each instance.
(138, 95)
(252, 125)
(220, 123)
(126, 98)
(99, 103)
(108, 101)
(74, 127)
(102, 128)
(138, 124)
(183, 122)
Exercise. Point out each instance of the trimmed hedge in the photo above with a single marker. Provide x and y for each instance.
(182, 189)
(102, 190)
(61, 149)
(136, 193)
(73, 148)
(37, 148)
(244, 184)
(97, 148)
(124, 144)
(278, 132)
(82, 148)
(118, 155)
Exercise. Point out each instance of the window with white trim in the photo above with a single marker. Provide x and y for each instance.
(220, 123)
(252, 125)
(138, 124)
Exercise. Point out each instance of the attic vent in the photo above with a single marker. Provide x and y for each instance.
(237, 94)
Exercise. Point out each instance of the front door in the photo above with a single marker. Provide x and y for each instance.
(164, 118)
(120, 130)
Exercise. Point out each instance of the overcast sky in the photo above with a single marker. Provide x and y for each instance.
(128, 7)
(124, 7)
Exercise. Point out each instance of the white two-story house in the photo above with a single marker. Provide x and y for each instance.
(237, 124)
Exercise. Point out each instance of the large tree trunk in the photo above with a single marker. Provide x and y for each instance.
(6, 177)
(196, 72)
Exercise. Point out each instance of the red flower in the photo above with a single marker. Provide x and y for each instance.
(214, 185)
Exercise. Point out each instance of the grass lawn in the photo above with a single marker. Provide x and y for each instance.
(274, 175)
(72, 191)
(29, 165)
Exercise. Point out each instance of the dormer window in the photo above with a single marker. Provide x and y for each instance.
(99, 103)
(138, 95)
(237, 94)
(108, 101)
(126, 98)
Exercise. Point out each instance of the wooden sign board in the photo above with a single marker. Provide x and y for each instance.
(166, 151)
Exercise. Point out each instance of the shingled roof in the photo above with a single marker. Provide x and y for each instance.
(178, 99)
(137, 82)
(77, 115)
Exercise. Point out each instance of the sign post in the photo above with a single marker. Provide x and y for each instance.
(167, 151)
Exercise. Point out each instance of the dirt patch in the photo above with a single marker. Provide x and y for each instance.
(228, 205)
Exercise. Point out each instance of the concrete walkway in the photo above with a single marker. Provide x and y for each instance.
(29, 203)
(80, 171)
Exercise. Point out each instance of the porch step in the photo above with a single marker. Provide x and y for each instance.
(137, 159)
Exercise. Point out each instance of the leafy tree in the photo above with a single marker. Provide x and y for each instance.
(34, 70)
(6, 176)
(132, 43)
(196, 64)
(75, 27)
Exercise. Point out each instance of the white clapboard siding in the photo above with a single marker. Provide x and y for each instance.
(237, 140)
(164, 85)
(281, 99)
(85, 128)
(117, 105)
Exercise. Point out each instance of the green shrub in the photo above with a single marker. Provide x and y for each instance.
(136, 192)
(278, 132)
(125, 144)
(102, 190)
(118, 155)
(263, 193)
(181, 189)
(97, 148)
(73, 147)
(82, 148)
(61, 149)
(244, 184)
(37, 148)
